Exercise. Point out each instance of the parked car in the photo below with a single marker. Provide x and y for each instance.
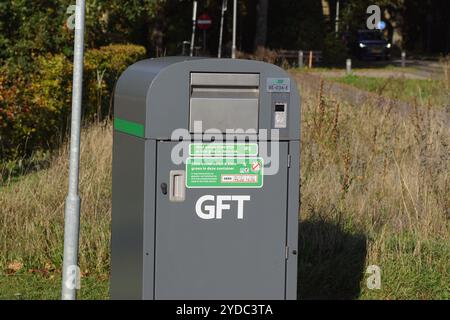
(371, 44)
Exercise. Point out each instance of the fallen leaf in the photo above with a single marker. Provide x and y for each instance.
(13, 267)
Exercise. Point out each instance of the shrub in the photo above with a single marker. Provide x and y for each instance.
(35, 106)
(334, 50)
(102, 69)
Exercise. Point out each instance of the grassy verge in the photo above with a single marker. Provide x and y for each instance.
(375, 191)
(357, 68)
(23, 286)
(430, 92)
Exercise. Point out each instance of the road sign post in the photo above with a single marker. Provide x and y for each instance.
(194, 16)
(233, 48)
(204, 23)
(224, 8)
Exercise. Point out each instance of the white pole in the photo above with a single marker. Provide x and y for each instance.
(348, 66)
(224, 8)
(300, 58)
(233, 49)
(337, 17)
(194, 18)
(70, 276)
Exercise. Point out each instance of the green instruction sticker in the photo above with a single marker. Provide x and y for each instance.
(223, 149)
(223, 172)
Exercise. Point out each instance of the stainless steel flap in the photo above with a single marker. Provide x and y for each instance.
(224, 101)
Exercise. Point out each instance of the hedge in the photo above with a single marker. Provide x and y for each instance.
(35, 105)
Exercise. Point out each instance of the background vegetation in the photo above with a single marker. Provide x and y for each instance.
(34, 104)
(36, 48)
(373, 192)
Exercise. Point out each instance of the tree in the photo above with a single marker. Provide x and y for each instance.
(261, 23)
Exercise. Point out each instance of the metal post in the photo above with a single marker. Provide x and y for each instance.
(70, 276)
(183, 49)
(204, 42)
(233, 48)
(403, 59)
(348, 66)
(337, 17)
(224, 8)
(194, 22)
(300, 58)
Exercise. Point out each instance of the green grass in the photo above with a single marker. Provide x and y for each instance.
(27, 286)
(333, 262)
(355, 68)
(411, 268)
(424, 91)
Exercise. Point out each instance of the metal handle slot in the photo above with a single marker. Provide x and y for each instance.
(177, 187)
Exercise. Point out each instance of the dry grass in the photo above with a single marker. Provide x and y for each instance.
(375, 174)
(32, 209)
(375, 190)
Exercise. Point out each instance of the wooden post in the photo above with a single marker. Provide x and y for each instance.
(310, 59)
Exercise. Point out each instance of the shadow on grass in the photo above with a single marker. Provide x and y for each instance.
(331, 261)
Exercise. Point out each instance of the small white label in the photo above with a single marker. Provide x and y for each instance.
(278, 85)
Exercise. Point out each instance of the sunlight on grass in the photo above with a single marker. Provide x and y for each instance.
(424, 91)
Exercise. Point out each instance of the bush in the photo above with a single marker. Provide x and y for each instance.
(102, 69)
(35, 106)
(334, 51)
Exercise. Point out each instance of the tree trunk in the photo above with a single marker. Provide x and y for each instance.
(261, 23)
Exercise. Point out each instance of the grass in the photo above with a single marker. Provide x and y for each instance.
(375, 191)
(25, 286)
(378, 186)
(424, 91)
(356, 68)
(32, 223)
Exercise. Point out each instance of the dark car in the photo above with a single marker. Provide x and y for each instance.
(371, 44)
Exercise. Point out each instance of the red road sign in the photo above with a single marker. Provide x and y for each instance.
(204, 21)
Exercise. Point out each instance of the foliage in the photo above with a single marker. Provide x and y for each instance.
(34, 107)
(29, 29)
(103, 67)
(334, 51)
(295, 25)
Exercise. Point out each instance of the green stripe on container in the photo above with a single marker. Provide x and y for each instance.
(129, 127)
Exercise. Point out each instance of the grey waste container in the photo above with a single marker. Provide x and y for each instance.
(205, 181)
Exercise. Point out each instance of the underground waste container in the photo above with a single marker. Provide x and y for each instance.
(205, 193)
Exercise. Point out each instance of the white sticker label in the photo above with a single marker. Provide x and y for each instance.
(278, 85)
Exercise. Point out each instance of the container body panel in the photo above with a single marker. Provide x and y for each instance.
(222, 257)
